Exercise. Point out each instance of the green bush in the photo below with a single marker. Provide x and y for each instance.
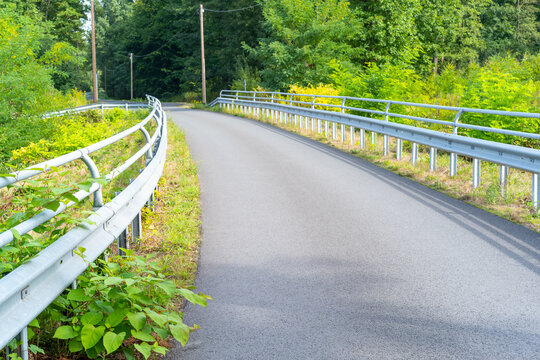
(123, 298)
(34, 139)
(503, 83)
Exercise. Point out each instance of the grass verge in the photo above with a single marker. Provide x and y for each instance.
(172, 230)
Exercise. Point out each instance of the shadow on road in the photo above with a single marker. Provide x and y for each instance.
(516, 241)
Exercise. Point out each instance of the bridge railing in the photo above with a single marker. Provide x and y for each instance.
(27, 290)
(308, 110)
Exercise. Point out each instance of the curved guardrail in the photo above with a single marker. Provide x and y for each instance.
(289, 108)
(30, 288)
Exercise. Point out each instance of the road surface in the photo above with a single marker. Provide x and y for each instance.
(311, 253)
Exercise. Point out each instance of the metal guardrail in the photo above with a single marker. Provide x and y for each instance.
(30, 288)
(102, 107)
(289, 108)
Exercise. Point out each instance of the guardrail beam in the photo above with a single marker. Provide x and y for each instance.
(29, 289)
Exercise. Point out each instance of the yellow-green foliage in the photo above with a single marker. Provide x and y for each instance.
(320, 89)
(71, 132)
(26, 85)
(503, 83)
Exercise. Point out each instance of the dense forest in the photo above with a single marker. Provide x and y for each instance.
(276, 43)
(427, 49)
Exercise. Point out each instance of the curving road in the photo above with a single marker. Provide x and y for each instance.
(310, 253)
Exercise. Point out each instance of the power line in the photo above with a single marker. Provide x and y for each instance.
(204, 9)
(232, 10)
(161, 47)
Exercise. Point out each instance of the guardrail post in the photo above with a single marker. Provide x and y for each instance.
(399, 148)
(386, 146)
(342, 125)
(306, 123)
(94, 172)
(121, 242)
(503, 178)
(352, 135)
(272, 112)
(536, 191)
(432, 159)
(127, 109)
(453, 164)
(414, 154)
(476, 173)
(102, 110)
(453, 156)
(326, 128)
(362, 139)
(373, 138)
(22, 345)
(334, 130)
(255, 107)
(289, 119)
(136, 224)
(136, 227)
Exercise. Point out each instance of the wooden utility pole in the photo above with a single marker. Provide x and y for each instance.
(131, 71)
(94, 69)
(202, 56)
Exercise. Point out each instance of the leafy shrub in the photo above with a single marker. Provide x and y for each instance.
(120, 305)
(64, 134)
(320, 89)
(192, 96)
(503, 83)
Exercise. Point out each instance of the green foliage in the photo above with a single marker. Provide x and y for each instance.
(304, 37)
(30, 198)
(502, 84)
(390, 32)
(247, 73)
(164, 37)
(511, 26)
(36, 54)
(34, 139)
(122, 298)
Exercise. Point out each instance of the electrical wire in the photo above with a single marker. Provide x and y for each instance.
(161, 47)
(210, 10)
(232, 10)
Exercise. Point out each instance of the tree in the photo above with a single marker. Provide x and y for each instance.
(391, 35)
(450, 31)
(304, 36)
(511, 26)
(164, 37)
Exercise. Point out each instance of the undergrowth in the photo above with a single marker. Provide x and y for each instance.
(123, 307)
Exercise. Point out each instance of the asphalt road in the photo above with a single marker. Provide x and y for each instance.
(310, 253)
